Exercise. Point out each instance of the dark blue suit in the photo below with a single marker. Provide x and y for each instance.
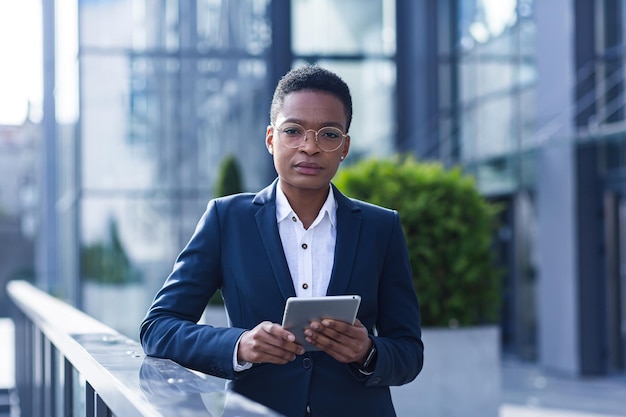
(237, 247)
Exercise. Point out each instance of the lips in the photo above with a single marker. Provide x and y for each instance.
(308, 168)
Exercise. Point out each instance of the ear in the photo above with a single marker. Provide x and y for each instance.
(269, 139)
(346, 148)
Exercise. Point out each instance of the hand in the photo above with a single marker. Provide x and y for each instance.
(268, 342)
(345, 342)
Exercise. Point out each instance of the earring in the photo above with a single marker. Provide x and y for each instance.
(342, 157)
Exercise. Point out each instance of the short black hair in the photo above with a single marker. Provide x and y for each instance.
(311, 77)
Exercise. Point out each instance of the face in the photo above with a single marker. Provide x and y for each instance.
(307, 168)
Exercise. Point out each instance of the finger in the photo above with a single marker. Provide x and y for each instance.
(280, 332)
(283, 339)
(340, 331)
(265, 344)
(328, 339)
(341, 340)
(343, 327)
(340, 351)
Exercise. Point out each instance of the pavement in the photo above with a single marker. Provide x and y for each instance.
(527, 390)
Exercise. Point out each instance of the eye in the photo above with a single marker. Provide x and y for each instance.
(292, 130)
(330, 133)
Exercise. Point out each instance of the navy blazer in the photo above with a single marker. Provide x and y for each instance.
(236, 247)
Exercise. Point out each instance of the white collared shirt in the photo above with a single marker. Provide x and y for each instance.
(310, 252)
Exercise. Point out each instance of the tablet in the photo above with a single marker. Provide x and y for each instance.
(300, 311)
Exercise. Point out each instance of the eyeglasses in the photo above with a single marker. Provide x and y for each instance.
(328, 139)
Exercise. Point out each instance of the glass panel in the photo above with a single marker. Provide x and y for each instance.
(129, 245)
(480, 78)
(527, 129)
(139, 24)
(343, 27)
(98, 18)
(613, 156)
(489, 129)
(481, 21)
(496, 176)
(497, 76)
(162, 123)
(108, 159)
(241, 25)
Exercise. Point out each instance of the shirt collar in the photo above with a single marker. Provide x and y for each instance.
(284, 210)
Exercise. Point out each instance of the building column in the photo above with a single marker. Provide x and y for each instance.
(558, 309)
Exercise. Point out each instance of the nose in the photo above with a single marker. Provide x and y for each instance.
(308, 144)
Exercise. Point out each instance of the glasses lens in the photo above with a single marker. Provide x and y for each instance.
(291, 134)
(329, 138)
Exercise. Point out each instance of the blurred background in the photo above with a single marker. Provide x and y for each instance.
(116, 114)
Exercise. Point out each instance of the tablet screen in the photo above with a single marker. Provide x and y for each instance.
(300, 311)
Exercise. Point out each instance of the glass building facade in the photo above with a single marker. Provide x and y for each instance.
(162, 99)
(147, 97)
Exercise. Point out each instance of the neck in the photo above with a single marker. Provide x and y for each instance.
(306, 203)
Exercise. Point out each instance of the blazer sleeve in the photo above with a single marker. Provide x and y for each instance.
(398, 338)
(170, 328)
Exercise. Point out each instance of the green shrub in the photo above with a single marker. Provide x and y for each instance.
(229, 178)
(228, 182)
(107, 262)
(449, 228)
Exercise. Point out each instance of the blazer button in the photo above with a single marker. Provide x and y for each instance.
(306, 363)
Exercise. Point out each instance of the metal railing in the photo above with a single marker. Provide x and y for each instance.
(69, 364)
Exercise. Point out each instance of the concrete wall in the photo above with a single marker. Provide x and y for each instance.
(461, 375)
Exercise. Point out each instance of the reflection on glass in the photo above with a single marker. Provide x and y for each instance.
(329, 27)
(175, 392)
(497, 77)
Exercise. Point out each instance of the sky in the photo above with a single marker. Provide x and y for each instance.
(21, 59)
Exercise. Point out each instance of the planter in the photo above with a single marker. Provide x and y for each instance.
(461, 375)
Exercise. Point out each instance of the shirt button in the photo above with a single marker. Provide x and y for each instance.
(305, 285)
(294, 219)
(304, 246)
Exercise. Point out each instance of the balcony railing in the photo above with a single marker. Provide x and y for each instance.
(69, 364)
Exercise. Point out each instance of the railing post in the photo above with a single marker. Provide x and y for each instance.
(48, 378)
(94, 404)
(38, 373)
(90, 403)
(24, 362)
(101, 408)
(68, 388)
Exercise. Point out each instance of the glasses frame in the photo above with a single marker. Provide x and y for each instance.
(277, 130)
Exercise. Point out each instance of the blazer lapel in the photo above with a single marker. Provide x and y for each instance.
(348, 230)
(268, 229)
